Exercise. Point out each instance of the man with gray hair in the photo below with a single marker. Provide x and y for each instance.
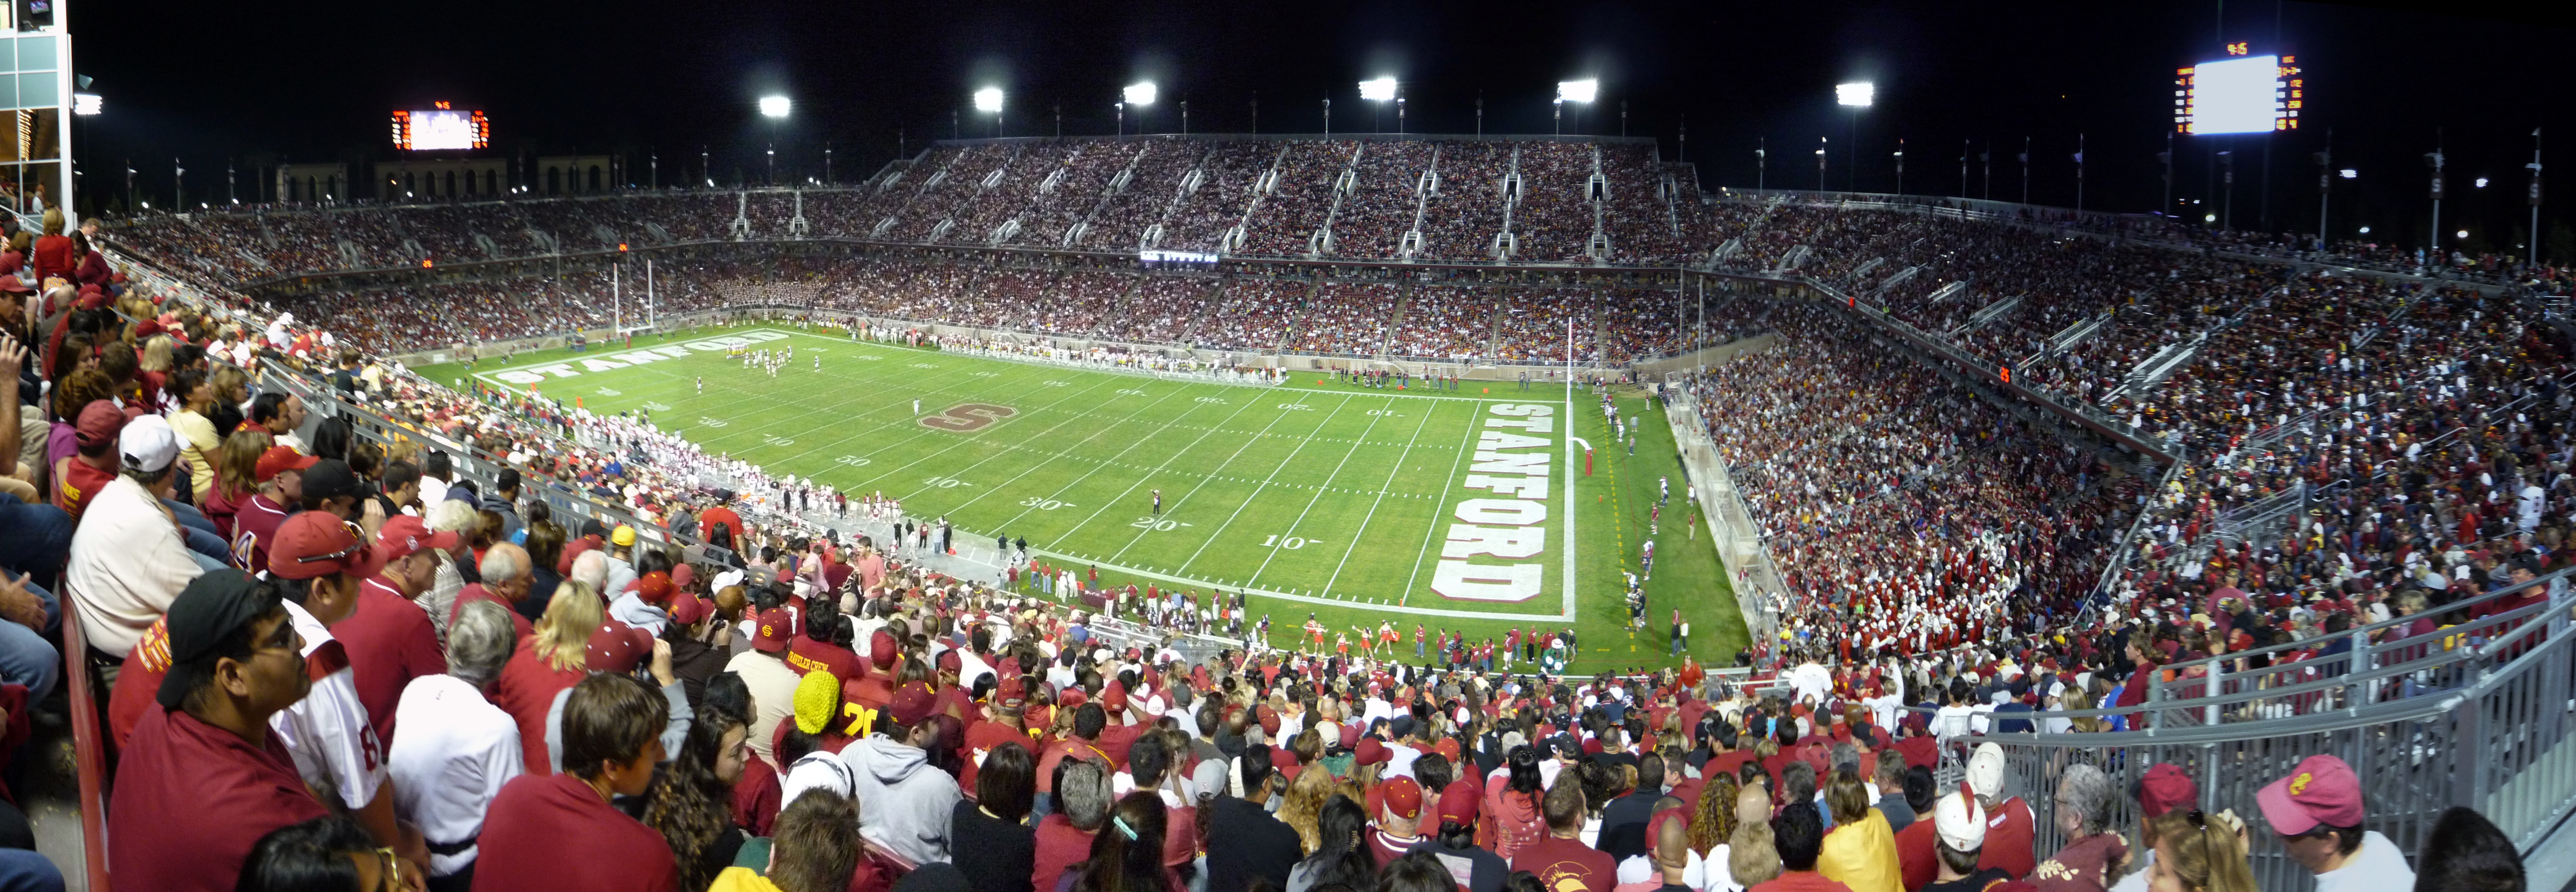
(2093, 853)
(1064, 838)
(456, 749)
(449, 516)
(507, 573)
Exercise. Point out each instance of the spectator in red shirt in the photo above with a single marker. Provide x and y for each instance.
(612, 739)
(205, 749)
(55, 258)
(388, 638)
(1559, 859)
(1065, 838)
(553, 659)
(281, 489)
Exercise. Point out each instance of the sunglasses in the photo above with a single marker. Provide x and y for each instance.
(357, 546)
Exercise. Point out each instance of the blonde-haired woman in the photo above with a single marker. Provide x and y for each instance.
(2196, 853)
(553, 659)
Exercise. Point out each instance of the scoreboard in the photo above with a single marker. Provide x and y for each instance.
(2243, 94)
(441, 128)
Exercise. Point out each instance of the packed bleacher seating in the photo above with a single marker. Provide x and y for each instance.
(1377, 212)
(1553, 217)
(1345, 317)
(1940, 546)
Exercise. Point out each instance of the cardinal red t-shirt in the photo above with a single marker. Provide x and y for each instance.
(177, 766)
(537, 822)
(1567, 865)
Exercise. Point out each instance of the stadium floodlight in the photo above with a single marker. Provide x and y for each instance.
(1140, 93)
(1584, 90)
(988, 100)
(1854, 94)
(2351, 174)
(2463, 233)
(2482, 182)
(2365, 230)
(86, 103)
(1380, 90)
(774, 106)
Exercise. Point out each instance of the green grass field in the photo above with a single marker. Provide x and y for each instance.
(1311, 495)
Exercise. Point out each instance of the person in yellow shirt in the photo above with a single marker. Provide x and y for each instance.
(199, 444)
(813, 847)
(1860, 852)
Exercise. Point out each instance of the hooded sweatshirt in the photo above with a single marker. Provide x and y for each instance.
(909, 802)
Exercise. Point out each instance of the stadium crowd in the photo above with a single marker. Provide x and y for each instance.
(380, 677)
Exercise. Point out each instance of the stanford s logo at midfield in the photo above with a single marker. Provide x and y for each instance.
(969, 417)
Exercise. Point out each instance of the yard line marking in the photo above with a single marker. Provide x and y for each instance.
(1432, 527)
(1258, 487)
(1194, 488)
(1362, 535)
(1315, 499)
(1106, 504)
(1098, 463)
(979, 435)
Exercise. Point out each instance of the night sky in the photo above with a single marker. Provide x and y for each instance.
(308, 81)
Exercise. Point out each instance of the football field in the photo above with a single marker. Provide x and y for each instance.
(1480, 510)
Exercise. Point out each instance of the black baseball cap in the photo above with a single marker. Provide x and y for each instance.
(329, 477)
(215, 606)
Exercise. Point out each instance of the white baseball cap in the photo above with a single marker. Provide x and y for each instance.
(1986, 770)
(148, 444)
(1960, 821)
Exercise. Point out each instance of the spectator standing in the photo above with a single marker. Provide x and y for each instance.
(388, 637)
(549, 662)
(1860, 852)
(205, 748)
(2317, 811)
(1257, 846)
(1065, 837)
(320, 563)
(2093, 854)
(2203, 853)
(764, 669)
(1342, 855)
(994, 825)
(1799, 836)
(2467, 853)
(1960, 827)
(1560, 859)
(909, 800)
(612, 740)
(461, 749)
(2010, 828)
(815, 849)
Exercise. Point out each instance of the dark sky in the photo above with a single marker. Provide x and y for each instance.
(313, 81)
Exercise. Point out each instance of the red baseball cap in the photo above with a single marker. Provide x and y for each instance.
(2165, 788)
(100, 422)
(316, 543)
(1447, 748)
(1403, 797)
(774, 631)
(912, 704)
(881, 650)
(1458, 803)
(617, 648)
(690, 610)
(1011, 694)
(1370, 751)
(281, 459)
(655, 588)
(2322, 790)
(404, 535)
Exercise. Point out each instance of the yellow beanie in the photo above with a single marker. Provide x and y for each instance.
(818, 697)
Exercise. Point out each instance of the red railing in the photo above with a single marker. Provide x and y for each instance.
(89, 751)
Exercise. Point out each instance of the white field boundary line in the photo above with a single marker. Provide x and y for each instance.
(1362, 534)
(1194, 488)
(1564, 616)
(1319, 495)
(1265, 482)
(1106, 504)
(1098, 462)
(1182, 377)
(1440, 506)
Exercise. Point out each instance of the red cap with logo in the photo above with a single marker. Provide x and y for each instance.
(690, 610)
(2165, 788)
(318, 543)
(912, 704)
(1370, 752)
(1403, 797)
(776, 628)
(655, 588)
(404, 535)
(2322, 790)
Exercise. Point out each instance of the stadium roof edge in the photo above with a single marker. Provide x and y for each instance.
(1283, 137)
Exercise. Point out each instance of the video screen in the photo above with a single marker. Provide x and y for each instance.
(437, 129)
(2240, 95)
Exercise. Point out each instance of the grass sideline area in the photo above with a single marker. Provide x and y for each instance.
(1312, 495)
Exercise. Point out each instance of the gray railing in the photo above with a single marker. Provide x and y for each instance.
(2475, 714)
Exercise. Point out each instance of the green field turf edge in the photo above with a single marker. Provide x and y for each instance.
(1614, 501)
